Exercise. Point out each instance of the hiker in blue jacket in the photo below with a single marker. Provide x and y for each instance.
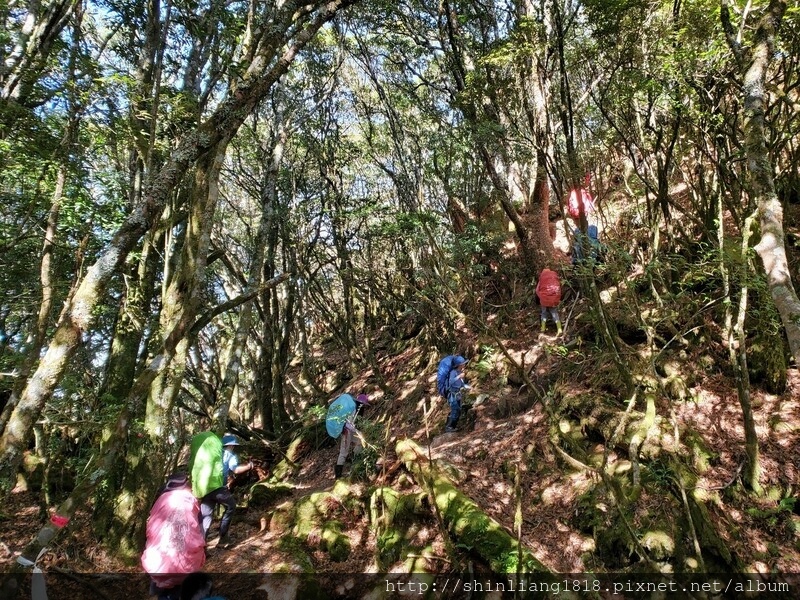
(591, 242)
(456, 385)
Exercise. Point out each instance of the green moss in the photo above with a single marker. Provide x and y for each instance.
(766, 363)
(659, 543)
(334, 542)
(390, 545)
(263, 493)
(298, 560)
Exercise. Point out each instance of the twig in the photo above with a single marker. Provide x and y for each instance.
(730, 483)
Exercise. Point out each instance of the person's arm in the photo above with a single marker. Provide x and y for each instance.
(239, 469)
(456, 381)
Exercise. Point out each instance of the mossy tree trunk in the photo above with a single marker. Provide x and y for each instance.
(466, 523)
(269, 58)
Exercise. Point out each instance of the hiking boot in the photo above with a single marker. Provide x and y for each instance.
(338, 470)
(543, 327)
(224, 541)
(558, 327)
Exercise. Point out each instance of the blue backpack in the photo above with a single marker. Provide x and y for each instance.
(447, 364)
(595, 247)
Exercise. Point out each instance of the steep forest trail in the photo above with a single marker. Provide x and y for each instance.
(537, 449)
(506, 457)
(510, 434)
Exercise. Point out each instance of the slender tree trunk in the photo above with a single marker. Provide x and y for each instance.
(737, 349)
(754, 63)
(46, 270)
(21, 68)
(233, 364)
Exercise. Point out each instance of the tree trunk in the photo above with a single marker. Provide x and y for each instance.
(754, 63)
(25, 64)
(263, 71)
(268, 205)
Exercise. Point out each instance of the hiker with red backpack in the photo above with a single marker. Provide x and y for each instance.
(548, 289)
(451, 385)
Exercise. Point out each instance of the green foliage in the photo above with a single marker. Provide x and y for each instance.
(474, 244)
(364, 467)
(485, 361)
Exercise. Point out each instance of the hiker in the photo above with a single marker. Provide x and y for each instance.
(548, 289)
(580, 199)
(456, 384)
(208, 483)
(592, 242)
(175, 540)
(342, 416)
(197, 586)
(230, 461)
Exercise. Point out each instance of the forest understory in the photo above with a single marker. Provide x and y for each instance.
(552, 468)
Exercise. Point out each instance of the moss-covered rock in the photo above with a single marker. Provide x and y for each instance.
(313, 520)
(396, 518)
(264, 493)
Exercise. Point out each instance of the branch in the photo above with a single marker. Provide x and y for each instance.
(730, 34)
(208, 316)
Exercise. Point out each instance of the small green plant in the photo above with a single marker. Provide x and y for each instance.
(365, 464)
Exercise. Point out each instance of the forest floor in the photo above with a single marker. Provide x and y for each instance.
(765, 541)
(504, 458)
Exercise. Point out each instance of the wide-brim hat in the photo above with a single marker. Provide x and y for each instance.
(230, 440)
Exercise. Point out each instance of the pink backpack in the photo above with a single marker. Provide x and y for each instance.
(573, 204)
(175, 541)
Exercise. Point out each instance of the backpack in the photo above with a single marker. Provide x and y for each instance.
(595, 247)
(447, 364)
(573, 204)
(549, 288)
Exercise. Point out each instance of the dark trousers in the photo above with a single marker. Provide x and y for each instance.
(209, 502)
(173, 593)
(455, 407)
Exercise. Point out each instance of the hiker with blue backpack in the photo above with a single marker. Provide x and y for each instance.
(341, 423)
(451, 385)
(590, 242)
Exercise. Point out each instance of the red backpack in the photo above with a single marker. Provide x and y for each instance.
(549, 288)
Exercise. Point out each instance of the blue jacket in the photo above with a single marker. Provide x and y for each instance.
(456, 382)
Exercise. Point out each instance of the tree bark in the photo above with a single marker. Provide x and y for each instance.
(268, 204)
(754, 63)
(265, 68)
(26, 63)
